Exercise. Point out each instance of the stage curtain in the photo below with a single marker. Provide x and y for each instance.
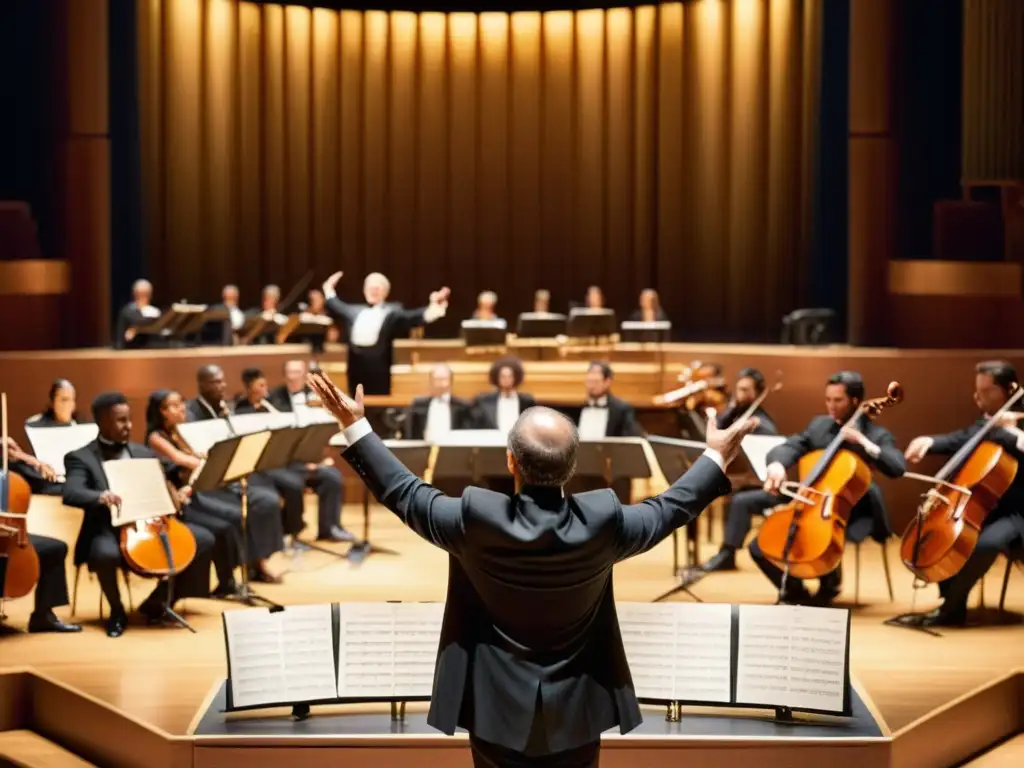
(668, 146)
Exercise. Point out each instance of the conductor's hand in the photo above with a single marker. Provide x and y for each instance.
(727, 441)
(341, 406)
(441, 297)
(332, 281)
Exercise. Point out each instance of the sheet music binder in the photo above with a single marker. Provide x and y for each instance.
(650, 676)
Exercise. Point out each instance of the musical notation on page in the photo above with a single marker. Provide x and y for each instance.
(285, 656)
(792, 656)
(51, 445)
(142, 486)
(678, 652)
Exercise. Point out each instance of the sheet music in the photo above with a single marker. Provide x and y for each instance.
(678, 651)
(792, 656)
(756, 448)
(202, 435)
(51, 444)
(246, 456)
(281, 657)
(250, 423)
(142, 486)
(473, 438)
(387, 649)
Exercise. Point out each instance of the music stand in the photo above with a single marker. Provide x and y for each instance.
(540, 325)
(484, 333)
(591, 323)
(646, 331)
(472, 453)
(306, 326)
(675, 457)
(256, 326)
(233, 461)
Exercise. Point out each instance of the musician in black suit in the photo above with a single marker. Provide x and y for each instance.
(500, 408)
(135, 314)
(531, 660)
(1003, 530)
(432, 417)
(603, 414)
(324, 479)
(749, 386)
(871, 442)
(52, 587)
(86, 487)
(371, 328)
(264, 536)
(269, 309)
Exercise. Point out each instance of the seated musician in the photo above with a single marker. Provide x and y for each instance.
(60, 409)
(604, 415)
(52, 587)
(324, 478)
(749, 386)
(136, 313)
(500, 408)
(542, 302)
(875, 445)
(219, 511)
(650, 309)
(1003, 528)
(98, 543)
(236, 317)
(594, 298)
(318, 306)
(486, 303)
(263, 500)
(269, 300)
(432, 417)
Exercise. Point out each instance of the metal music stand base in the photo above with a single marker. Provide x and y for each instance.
(360, 550)
(325, 550)
(911, 621)
(171, 615)
(683, 586)
(245, 594)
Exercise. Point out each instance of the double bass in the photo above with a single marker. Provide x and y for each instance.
(944, 532)
(806, 536)
(20, 557)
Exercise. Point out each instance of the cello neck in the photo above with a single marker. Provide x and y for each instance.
(967, 449)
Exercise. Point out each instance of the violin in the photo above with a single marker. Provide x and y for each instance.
(806, 536)
(938, 541)
(22, 560)
(702, 388)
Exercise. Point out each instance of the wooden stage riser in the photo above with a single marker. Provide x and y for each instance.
(938, 384)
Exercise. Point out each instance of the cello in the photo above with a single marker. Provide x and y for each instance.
(16, 550)
(943, 534)
(806, 536)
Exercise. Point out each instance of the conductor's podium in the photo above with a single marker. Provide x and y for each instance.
(46, 723)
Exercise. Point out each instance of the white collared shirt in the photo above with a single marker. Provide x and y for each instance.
(508, 411)
(439, 418)
(366, 328)
(237, 317)
(594, 420)
(298, 398)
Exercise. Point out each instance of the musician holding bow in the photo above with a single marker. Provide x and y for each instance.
(1003, 529)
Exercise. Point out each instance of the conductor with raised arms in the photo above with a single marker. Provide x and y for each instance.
(371, 328)
(530, 659)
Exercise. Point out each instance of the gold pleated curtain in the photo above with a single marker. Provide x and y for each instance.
(668, 145)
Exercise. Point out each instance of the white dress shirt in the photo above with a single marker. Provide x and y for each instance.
(439, 418)
(148, 311)
(594, 420)
(369, 321)
(298, 398)
(237, 317)
(508, 411)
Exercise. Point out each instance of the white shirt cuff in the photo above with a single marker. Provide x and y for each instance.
(357, 431)
(716, 457)
(872, 450)
(329, 292)
(433, 312)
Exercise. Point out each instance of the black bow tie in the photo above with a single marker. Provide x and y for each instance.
(596, 404)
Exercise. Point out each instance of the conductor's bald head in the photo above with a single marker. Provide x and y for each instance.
(542, 448)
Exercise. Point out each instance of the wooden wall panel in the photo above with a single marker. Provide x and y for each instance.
(663, 146)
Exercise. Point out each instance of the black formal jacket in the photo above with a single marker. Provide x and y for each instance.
(463, 416)
(530, 629)
(1012, 502)
(890, 462)
(486, 408)
(196, 411)
(621, 418)
(131, 317)
(85, 482)
(729, 416)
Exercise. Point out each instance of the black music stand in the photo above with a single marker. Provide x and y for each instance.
(646, 332)
(256, 326)
(484, 333)
(304, 329)
(214, 475)
(591, 323)
(675, 457)
(415, 455)
(540, 325)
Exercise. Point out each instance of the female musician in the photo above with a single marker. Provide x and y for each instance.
(594, 298)
(218, 511)
(650, 309)
(87, 488)
(1003, 529)
(486, 306)
(60, 409)
(874, 444)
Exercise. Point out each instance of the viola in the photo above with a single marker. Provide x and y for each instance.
(806, 536)
(22, 561)
(941, 537)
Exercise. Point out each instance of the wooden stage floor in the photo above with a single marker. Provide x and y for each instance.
(162, 675)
